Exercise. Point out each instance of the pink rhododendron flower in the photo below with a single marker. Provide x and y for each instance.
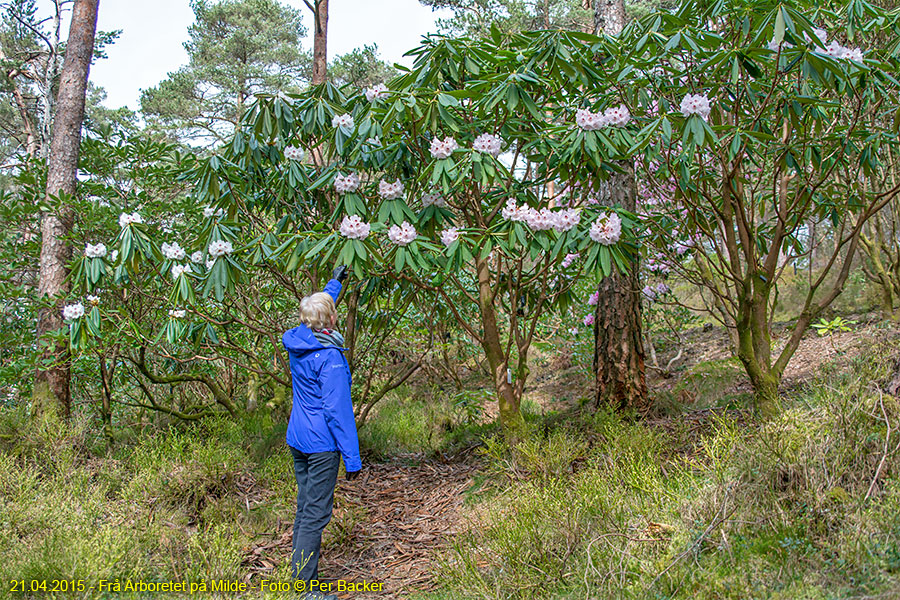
(402, 234)
(567, 219)
(220, 248)
(617, 116)
(696, 104)
(178, 270)
(448, 236)
(95, 250)
(435, 199)
(649, 293)
(354, 228)
(594, 298)
(856, 55)
(173, 251)
(606, 229)
(376, 92)
(443, 148)
(539, 220)
(345, 120)
(73, 311)
(662, 289)
(588, 319)
(346, 184)
(294, 153)
(568, 260)
(511, 212)
(590, 121)
(126, 219)
(390, 191)
(487, 143)
(210, 212)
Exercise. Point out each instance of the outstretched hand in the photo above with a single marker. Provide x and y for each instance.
(351, 475)
(340, 273)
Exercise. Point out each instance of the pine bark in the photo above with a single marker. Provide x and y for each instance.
(320, 42)
(609, 16)
(52, 383)
(618, 343)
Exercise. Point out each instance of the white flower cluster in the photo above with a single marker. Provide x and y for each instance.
(487, 143)
(696, 104)
(93, 300)
(73, 311)
(448, 236)
(197, 257)
(606, 229)
(390, 191)
(402, 234)
(376, 92)
(443, 148)
(178, 270)
(126, 219)
(543, 219)
(177, 313)
(435, 199)
(614, 116)
(220, 248)
(354, 228)
(346, 184)
(294, 153)
(95, 250)
(173, 251)
(210, 212)
(345, 120)
(835, 50)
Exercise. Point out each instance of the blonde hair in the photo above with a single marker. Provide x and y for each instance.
(317, 311)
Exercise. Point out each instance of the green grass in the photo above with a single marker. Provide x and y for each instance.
(582, 506)
(721, 508)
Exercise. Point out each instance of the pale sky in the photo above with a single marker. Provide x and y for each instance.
(153, 32)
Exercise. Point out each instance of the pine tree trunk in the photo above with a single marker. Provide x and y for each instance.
(51, 384)
(609, 16)
(619, 349)
(320, 42)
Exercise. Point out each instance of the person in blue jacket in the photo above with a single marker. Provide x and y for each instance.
(322, 428)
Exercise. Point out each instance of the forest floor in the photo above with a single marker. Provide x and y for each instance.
(385, 528)
(390, 525)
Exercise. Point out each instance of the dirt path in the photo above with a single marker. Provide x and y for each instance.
(386, 527)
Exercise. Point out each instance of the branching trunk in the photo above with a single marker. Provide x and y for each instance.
(51, 384)
(508, 400)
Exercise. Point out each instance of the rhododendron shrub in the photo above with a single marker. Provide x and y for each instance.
(760, 120)
(456, 200)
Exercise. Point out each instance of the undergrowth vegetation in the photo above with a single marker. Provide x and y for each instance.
(707, 505)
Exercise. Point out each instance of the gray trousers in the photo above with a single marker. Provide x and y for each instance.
(316, 475)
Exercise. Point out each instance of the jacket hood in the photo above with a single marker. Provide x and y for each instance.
(300, 338)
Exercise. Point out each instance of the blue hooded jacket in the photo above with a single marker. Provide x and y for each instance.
(322, 414)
